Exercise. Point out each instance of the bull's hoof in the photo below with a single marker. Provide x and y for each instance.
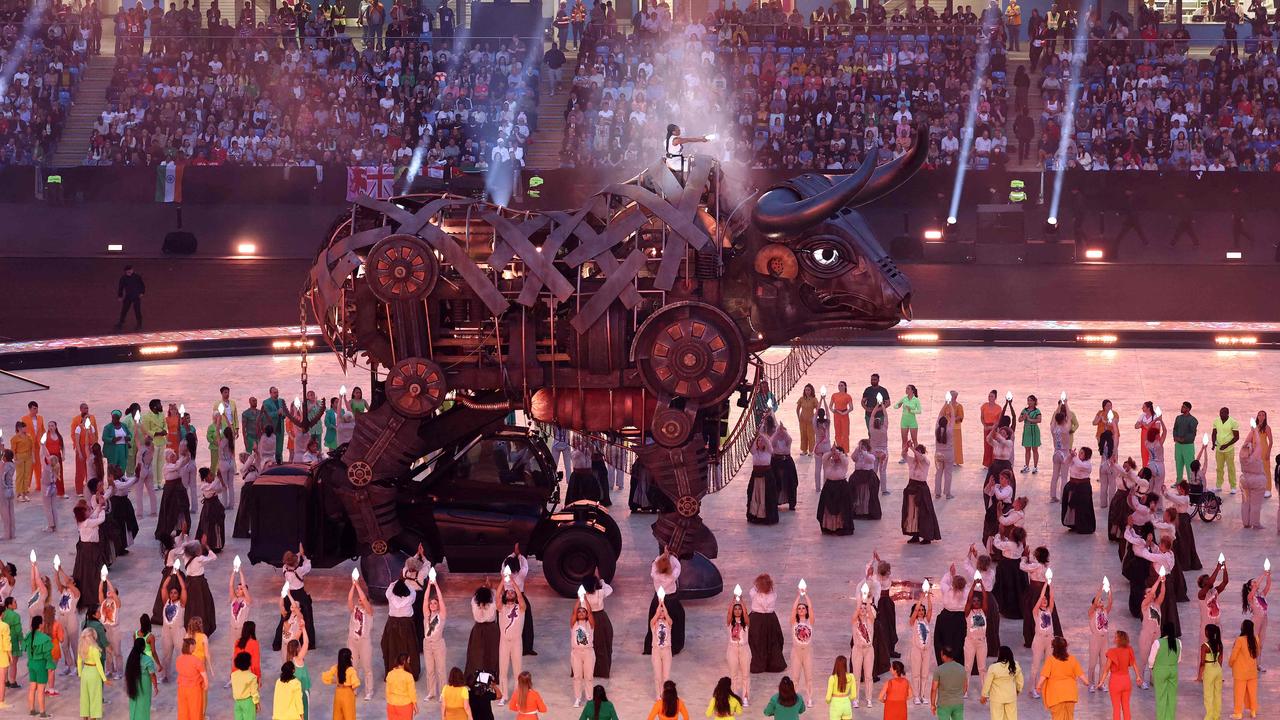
(699, 578)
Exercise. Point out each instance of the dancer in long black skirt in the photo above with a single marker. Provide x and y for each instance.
(764, 632)
(601, 470)
(519, 566)
(295, 569)
(199, 597)
(1077, 495)
(399, 636)
(1035, 564)
(950, 629)
(90, 553)
(1011, 581)
(644, 497)
(1135, 569)
(880, 582)
(784, 468)
(762, 488)
(482, 644)
(1184, 543)
(213, 516)
(175, 506)
(997, 495)
(597, 590)
(665, 572)
(583, 483)
(919, 521)
(124, 521)
(864, 484)
(835, 508)
(1118, 510)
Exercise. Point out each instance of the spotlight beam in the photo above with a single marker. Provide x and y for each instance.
(1078, 54)
(980, 63)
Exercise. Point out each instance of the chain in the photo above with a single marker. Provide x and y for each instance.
(302, 341)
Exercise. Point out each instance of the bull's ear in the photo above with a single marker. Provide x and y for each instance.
(777, 261)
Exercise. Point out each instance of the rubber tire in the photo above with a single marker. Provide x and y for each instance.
(572, 554)
(1210, 509)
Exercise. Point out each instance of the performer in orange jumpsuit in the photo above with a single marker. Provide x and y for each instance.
(35, 431)
(991, 411)
(84, 433)
(841, 404)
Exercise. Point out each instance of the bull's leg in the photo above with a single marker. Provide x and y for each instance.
(681, 474)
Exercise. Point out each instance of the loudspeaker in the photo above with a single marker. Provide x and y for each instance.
(905, 248)
(179, 242)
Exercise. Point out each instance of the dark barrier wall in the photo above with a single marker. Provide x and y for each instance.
(307, 186)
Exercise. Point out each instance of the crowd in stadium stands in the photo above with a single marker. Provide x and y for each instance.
(296, 90)
(42, 57)
(1145, 104)
(789, 93)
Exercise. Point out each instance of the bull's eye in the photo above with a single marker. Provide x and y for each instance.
(826, 257)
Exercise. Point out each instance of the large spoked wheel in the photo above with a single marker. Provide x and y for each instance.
(1210, 507)
(416, 387)
(402, 267)
(573, 555)
(690, 350)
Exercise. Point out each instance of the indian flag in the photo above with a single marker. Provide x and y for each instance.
(169, 182)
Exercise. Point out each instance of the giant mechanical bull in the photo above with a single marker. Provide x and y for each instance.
(630, 319)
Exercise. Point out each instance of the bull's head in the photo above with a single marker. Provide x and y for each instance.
(811, 263)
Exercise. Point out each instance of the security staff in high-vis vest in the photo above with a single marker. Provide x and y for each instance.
(1017, 191)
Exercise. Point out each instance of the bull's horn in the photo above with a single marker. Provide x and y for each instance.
(781, 210)
(892, 174)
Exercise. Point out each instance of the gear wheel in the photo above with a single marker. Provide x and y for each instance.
(402, 267)
(671, 427)
(415, 387)
(360, 474)
(690, 350)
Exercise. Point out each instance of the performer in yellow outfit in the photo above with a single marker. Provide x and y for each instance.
(957, 425)
(23, 461)
(806, 406)
(153, 424)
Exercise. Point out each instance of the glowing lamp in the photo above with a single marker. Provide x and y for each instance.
(431, 574)
(177, 564)
(1048, 576)
(823, 391)
(57, 562)
(355, 575)
(925, 587)
(1204, 439)
(103, 573)
(1159, 412)
(865, 590)
(1162, 572)
(1106, 584)
(342, 391)
(737, 592)
(1222, 558)
(951, 220)
(235, 564)
(182, 409)
(662, 595)
(1111, 416)
(803, 586)
(246, 248)
(880, 398)
(1266, 565)
(949, 397)
(33, 557)
(1063, 396)
(222, 409)
(284, 591)
(1009, 395)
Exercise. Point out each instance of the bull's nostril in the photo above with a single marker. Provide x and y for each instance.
(904, 307)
